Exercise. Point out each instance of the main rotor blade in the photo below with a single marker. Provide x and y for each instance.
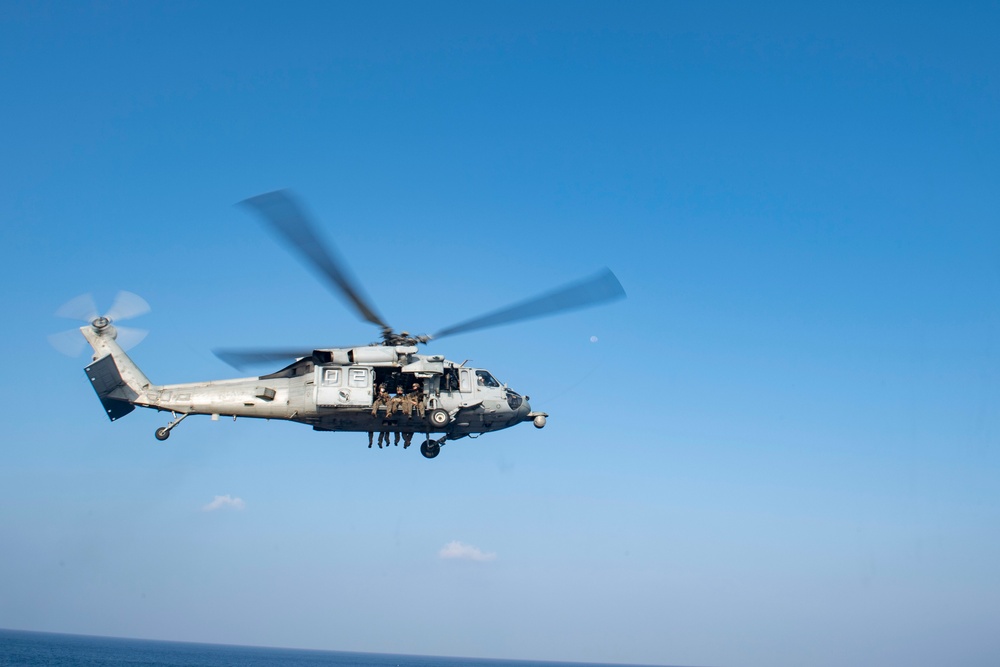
(599, 288)
(242, 359)
(286, 218)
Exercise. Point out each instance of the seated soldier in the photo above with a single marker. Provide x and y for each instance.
(396, 402)
(381, 399)
(415, 399)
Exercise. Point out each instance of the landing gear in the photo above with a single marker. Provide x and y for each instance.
(163, 432)
(438, 418)
(431, 448)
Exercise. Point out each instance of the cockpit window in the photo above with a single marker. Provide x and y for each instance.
(484, 379)
(514, 399)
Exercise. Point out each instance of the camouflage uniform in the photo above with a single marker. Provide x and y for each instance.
(381, 399)
(395, 403)
(414, 399)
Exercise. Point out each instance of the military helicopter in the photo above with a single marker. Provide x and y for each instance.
(335, 388)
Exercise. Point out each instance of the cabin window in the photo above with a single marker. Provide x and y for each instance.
(331, 377)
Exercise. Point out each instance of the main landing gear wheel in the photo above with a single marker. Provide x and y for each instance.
(430, 448)
(438, 418)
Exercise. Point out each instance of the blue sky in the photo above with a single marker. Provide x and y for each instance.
(780, 450)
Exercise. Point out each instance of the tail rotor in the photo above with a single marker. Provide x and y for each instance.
(84, 309)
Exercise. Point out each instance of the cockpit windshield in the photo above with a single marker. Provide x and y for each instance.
(484, 379)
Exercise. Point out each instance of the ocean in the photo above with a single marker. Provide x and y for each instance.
(52, 650)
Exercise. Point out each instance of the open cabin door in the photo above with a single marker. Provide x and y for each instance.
(344, 386)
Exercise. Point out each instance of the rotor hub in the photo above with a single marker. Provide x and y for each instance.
(100, 323)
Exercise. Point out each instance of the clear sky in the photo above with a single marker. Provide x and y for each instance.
(782, 448)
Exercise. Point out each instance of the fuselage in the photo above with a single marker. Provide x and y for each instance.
(332, 397)
(373, 388)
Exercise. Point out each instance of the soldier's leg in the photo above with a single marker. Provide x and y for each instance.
(371, 434)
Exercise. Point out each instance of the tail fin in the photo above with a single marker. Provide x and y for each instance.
(114, 376)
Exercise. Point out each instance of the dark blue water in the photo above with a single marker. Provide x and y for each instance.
(42, 648)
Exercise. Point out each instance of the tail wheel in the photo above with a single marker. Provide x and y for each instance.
(438, 418)
(162, 433)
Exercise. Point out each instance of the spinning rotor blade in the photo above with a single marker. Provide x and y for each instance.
(126, 306)
(71, 343)
(588, 292)
(81, 308)
(286, 218)
(242, 359)
(129, 337)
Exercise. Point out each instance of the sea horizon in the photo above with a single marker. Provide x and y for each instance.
(45, 647)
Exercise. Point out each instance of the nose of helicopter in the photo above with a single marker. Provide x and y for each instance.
(525, 414)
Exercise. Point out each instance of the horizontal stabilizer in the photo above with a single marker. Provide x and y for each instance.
(115, 395)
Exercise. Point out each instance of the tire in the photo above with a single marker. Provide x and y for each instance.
(430, 449)
(162, 433)
(438, 418)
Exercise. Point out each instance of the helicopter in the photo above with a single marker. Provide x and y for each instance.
(384, 387)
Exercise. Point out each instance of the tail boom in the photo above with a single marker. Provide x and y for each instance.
(118, 382)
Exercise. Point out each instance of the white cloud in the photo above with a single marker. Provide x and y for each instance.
(462, 551)
(222, 502)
